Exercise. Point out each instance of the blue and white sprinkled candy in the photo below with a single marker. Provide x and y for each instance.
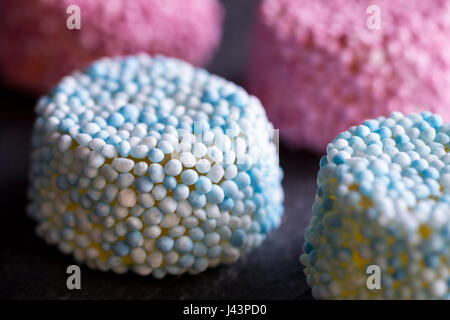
(149, 164)
(383, 199)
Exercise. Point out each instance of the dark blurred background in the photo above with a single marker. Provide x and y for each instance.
(30, 269)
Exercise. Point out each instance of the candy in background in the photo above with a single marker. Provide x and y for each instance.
(318, 68)
(383, 200)
(38, 49)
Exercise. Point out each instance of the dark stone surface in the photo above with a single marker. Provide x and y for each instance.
(30, 269)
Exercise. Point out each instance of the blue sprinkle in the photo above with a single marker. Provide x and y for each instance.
(229, 188)
(181, 192)
(196, 234)
(203, 184)
(362, 131)
(189, 177)
(164, 244)
(186, 261)
(170, 182)
(143, 184)
(134, 238)
(156, 155)
(183, 244)
(130, 112)
(196, 199)
(120, 248)
(227, 204)
(216, 195)
(238, 238)
(124, 148)
(102, 209)
(242, 180)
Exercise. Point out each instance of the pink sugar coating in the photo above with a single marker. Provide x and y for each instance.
(37, 48)
(318, 69)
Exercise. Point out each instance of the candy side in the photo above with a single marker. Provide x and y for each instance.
(165, 170)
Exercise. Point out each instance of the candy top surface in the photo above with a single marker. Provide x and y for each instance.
(142, 106)
(398, 165)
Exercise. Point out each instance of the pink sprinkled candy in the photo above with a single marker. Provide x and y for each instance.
(37, 48)
(318, 68)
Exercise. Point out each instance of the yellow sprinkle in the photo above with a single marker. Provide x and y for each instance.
(365, 203)
(403, 258)
(424, 231)
(358, 260)
(127, 260)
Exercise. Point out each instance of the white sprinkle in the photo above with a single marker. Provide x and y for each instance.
(203, 166)
(235, 222)
(124, 180)
(188, 159)
(170, 220)
(173, 167)
(64, 143)
(152, 232)
(119, 212)
(123, 164)
(168, 205)
(134, 223)
(212, 211)
(231, 172)
(127, 198)
(99, 183)
(184, 209)
(216, 173)
(140, 168)
(96, 160)
(200, 150)
(142, 269)
(208, 138)
(109, 151)
(109, 173)
(155, 259)
(97, 144)
(149, 141)
(200, 214)
(83, 139)
(159, 192)
(146, 200)
(215, 154)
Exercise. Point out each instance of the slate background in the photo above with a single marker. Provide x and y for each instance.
(30, 269)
